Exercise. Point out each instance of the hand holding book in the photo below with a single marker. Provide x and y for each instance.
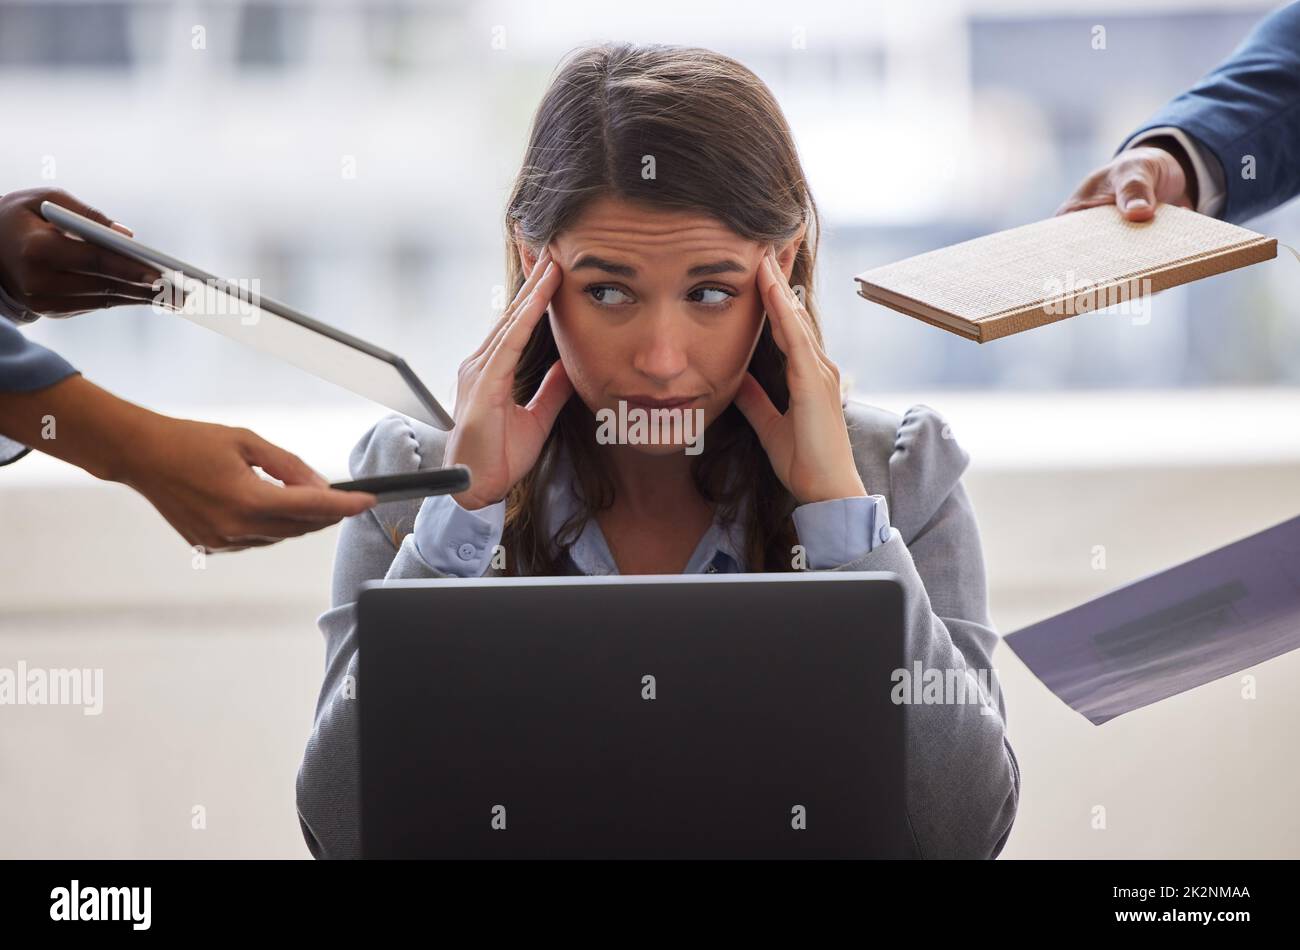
(1092, 259)
(1137, 179)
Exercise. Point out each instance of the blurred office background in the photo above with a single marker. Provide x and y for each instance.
(354, 157)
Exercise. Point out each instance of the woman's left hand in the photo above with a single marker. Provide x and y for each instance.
(809, 444)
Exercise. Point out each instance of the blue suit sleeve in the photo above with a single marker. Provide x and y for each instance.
(25, 367)
(1247, 113)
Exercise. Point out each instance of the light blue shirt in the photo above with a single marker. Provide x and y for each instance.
(461, 543)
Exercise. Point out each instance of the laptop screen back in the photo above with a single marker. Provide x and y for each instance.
(708, 716)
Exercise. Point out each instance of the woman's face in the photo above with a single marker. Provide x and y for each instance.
(659, 308)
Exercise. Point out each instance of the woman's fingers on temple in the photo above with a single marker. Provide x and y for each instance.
(801, 320)
(796, 341)
(806, 357)
(534, 278)
(504, 355)
(772, 305)
(797, 310)
(493, 338)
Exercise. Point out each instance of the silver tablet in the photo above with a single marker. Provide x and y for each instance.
(270, 326)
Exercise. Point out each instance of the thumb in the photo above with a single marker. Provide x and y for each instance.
(1136, 196)
(551, 395)
(280, 464)
(753, 402)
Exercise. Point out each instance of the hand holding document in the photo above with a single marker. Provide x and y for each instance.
(1003, 283)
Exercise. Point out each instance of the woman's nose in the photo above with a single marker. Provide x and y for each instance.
(661, 352)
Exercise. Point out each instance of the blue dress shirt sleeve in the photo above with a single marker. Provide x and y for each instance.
(842, 530)
(454, 541)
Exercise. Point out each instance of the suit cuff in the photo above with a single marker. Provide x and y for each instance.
(1211, 192)
(843, 530)
(454, 541)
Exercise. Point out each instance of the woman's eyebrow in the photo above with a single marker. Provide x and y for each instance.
(627, 270)
(609, 267)
(717, 267)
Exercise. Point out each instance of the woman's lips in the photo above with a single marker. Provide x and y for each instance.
(648, 402)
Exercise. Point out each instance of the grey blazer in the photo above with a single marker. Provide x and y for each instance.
(963, 783)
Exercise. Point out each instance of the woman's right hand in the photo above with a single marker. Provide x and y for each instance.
(498, 439)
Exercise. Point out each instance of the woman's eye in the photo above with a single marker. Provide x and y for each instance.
(607, 301)
(722, 299)
(607, 295)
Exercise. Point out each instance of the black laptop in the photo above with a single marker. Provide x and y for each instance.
(668, 716)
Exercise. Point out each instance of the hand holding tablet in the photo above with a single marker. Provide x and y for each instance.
(283, 332)
(277, 329)
(45, 273)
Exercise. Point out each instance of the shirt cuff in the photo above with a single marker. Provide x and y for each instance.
(1210, 187)
(11, 308)
(454, 541)
(842, 530)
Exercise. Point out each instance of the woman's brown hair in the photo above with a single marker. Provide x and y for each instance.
(677, 128)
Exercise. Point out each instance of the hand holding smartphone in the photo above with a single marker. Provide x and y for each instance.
(434, 481)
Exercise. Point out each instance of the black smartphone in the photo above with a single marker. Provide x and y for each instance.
(433, 481)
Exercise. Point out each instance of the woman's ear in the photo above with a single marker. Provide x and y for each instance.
(786, 254)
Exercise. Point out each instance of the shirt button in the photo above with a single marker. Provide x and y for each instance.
(884, 535)
(467, 551)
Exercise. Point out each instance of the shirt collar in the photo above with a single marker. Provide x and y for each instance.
(719, 551)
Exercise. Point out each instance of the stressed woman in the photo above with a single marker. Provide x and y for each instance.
(661, 242)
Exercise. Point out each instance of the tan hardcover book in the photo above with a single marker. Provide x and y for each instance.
(1039, 273)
